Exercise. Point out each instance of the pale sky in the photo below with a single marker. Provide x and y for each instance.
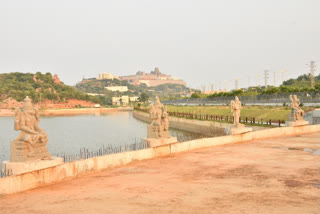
(202, 41)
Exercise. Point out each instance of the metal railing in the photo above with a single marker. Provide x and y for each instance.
(221, 118)
(86, 154)
(5, 173)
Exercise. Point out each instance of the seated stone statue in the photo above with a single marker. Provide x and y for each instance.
(32, 141)
(159, 127)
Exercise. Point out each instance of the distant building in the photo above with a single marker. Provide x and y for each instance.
(95, 94)
(214, 91)
(154, 78)
(133, 99)
(117, 88)
(105, 76)
(124, 100)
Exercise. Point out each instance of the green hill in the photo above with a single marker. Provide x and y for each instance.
(98, 87)
(302, 81)
(19, 85)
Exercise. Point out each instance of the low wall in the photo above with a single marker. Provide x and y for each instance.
(30, 180)
(209, 128)
(313, 117)
(66, 112)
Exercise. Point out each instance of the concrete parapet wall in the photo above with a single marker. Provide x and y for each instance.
(30, 180)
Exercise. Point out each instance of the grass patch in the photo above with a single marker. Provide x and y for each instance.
(274, 113)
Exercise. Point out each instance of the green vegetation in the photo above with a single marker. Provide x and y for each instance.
(144, 97)
(19, 85)
(301, 84)
(258, 112)
(165, 91)
(264, 113)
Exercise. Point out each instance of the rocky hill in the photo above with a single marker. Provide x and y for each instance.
(41, 88)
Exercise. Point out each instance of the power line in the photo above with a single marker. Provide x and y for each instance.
(312, 69)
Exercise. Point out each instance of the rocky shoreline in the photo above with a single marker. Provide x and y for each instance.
(66, 112)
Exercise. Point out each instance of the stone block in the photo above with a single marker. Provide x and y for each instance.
(297, 123)
(153, 142)
(17, 168)
(239, 129)
(19, 151)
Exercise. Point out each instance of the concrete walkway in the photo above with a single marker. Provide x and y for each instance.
(268, 176)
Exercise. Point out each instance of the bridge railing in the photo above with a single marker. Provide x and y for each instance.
(85, 153)
(222, 118)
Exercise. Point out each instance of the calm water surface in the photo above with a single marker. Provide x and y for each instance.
(68, 134)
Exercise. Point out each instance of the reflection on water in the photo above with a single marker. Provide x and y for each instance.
(69, 134)
(312, 151)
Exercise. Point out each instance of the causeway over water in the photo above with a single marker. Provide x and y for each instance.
(279, 175)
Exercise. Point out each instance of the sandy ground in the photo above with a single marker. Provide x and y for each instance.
(252, 177)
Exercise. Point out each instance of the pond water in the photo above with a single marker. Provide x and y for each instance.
(69, 134)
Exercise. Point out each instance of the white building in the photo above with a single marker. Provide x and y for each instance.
(117, 88)
(124, 100)
(133, 99)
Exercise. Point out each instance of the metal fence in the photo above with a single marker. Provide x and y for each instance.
(84, 153)
(221, 118)
(265, 99)
(5, 173)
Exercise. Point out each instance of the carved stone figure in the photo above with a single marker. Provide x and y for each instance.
(32, 141)
(296, 112)
(236, 128)
(236, 108)
(159, 127)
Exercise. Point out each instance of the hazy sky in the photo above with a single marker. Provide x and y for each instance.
(200, 41)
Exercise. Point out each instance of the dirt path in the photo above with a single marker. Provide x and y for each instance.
(253, 177)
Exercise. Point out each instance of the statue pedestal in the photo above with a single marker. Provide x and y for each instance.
(153, 132)
(297, 123)
(237, 129)
(153, 142)
(19, 151)
(16, 168)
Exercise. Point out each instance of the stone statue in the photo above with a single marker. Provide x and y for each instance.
(32, 141)
(236, 108)
(159, 127)
(296, 112)
(165, 119)
(237, 127)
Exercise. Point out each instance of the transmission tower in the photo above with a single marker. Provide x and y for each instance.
(266, 77)
(282, 76)
(274, 79)
(237, 84)
(248, 82)
(257, 80)
(312, 69)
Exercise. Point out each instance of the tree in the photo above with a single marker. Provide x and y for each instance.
(195, 95)
(144, 97)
